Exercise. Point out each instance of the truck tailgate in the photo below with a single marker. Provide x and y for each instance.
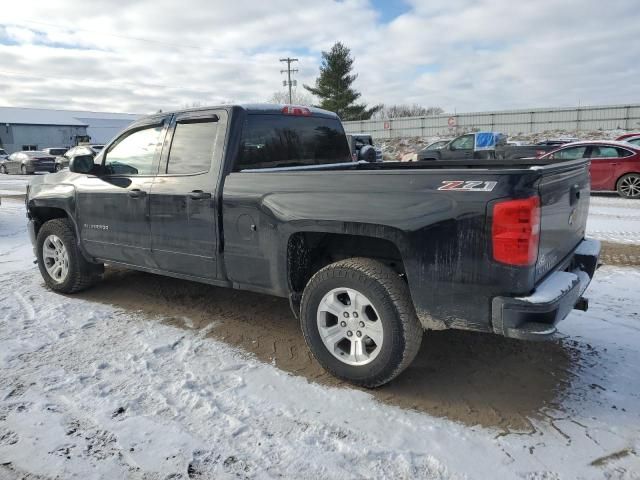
(564, 202)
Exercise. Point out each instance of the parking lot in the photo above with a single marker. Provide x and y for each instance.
(147, 377)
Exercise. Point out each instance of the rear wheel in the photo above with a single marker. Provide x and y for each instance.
(359, 322)
(629, 185)
(61, 263)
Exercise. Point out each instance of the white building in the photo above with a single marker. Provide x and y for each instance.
(36, 128)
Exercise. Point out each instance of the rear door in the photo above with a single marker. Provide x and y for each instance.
(564, 201)
(184, 200)
(604, 162)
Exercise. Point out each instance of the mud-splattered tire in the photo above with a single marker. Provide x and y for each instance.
(386, 320)
(56, 241)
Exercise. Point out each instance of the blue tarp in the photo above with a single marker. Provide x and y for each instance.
(487, 140)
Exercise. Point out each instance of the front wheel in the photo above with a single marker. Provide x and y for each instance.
(61, 263)
(359, 322)
(629, 185)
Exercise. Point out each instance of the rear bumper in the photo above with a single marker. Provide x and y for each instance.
(535, 317)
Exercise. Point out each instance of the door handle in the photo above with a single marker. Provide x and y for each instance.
(199, 195)
(137, 193)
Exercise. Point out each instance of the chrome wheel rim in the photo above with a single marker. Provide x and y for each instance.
(349, 326)
(630, 186)
(55, 258)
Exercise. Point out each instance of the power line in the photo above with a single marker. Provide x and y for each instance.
(289, 72)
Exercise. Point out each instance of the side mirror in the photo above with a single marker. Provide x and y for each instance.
(81, 164)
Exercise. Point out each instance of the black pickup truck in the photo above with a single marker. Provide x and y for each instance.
(266, 198)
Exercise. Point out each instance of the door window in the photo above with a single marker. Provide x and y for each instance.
(463, 143)
(604, 152)
(134, 154)
(192, 147)
(572, 153)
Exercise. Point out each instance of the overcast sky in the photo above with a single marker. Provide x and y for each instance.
(462, 55)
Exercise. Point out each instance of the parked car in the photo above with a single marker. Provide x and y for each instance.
(3, 154)
(483, 145)
(633, 140)
(362, 148)
(27, 163)
(62, 161)
(556, 142)
(615, 166)
(628, 135)
(55, 151)
(267, 198)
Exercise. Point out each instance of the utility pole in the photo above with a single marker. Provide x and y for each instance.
(289, 72)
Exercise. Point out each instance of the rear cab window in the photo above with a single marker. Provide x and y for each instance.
(278, 140)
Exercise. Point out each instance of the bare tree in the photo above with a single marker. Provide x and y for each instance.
(299, 98)
(399, 111)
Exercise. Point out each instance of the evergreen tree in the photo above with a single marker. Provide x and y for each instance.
(333, 86)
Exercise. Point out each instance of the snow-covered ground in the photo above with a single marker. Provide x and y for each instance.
(614, 219)
(14, 184)
(93, 390)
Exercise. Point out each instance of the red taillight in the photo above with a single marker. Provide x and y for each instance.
(297, 111)
(515, 232)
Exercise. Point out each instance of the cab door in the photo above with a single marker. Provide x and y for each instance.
(184, 195)
(461, 147)
(113, 205)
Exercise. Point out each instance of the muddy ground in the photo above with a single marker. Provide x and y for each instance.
(477, 379)
(474, 378)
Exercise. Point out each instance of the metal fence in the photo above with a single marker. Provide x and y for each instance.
(608, 117)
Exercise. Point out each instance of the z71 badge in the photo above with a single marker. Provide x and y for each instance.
(468, 185)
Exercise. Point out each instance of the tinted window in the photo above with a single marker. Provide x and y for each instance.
(57, 151)
(571, 153)
(192, 147)
(134, 154)
(287, 141)
(604, 152)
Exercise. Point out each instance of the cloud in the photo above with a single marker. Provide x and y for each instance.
(458, 54)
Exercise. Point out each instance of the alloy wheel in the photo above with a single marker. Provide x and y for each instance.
(55, 258)
(630, 186)
(350, 326)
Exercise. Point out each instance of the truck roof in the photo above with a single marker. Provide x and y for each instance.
(251, 108)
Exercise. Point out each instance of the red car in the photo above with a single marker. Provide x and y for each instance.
(627, 135)
(615, 166)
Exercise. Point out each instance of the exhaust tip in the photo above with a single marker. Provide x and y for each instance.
(582, 304)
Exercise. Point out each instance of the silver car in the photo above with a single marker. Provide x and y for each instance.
(27, 163)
